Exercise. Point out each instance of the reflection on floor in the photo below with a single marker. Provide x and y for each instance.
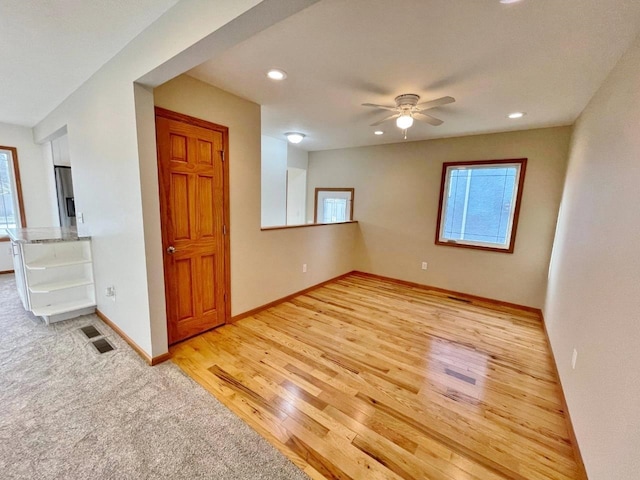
(364, 378)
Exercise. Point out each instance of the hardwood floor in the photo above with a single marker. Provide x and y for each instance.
(368, 379)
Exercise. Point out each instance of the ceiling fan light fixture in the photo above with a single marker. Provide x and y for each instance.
(294, 137)
(404, 121)
(276, 74)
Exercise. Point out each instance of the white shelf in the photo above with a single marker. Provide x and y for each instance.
(59, 285)
(56, 262)
(63, 308)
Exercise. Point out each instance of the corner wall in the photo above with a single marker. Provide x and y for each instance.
(38, 185)
(397, 188)
(593, 300)
(265, 265)
(274, 182)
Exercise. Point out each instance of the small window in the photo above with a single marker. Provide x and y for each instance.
(333, 205)
(11, 206)
(480, 203)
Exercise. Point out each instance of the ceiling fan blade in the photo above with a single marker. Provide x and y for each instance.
(396, 115)
(384, 107)
(429, 119)
(435, 103)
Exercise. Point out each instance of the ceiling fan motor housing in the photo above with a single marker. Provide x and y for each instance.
(407, 100)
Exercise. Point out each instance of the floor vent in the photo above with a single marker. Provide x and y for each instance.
(460, 376)
(102, 345)
(458, 299)
(90, 331)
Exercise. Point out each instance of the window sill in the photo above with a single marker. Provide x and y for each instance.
(284, 227)
(476, 247)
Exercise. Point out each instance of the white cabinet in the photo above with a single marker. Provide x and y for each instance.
(55, 279)
(18, 268)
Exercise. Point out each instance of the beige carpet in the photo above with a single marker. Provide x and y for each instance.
(67, 412)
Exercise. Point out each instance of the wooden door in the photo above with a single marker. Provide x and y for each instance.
(193, 193)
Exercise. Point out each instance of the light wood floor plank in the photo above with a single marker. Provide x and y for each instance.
(366, 378)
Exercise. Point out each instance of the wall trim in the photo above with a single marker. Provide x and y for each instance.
(305, 225)
(467, 296)
(582, 470)
(259, 309)
(150, 360)
(7, 271)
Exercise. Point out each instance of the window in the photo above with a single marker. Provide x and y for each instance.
(333, 205)
(480, 203)
(11, 207)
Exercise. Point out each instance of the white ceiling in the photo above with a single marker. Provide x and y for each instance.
(544, 57)
(50, 47)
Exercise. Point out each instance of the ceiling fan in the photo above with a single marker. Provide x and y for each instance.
(407, 108)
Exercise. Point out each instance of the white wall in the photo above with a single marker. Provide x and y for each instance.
(296, 195)
(60, 148)
(297, 169)
(593, 300)
(397, 189)
(38, 184)
(274, 182)
(297, 157)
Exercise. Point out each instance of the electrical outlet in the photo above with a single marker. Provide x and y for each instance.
(304, 268)
(574, 358)
(111, 293)
(424, 265)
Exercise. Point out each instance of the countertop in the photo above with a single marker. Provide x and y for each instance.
(44, 234)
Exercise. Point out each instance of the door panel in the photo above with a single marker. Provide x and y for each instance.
(178, 148)
(208, 266)
(206, 195)
(184, 289)
(180, 211)
(205, 152)
(192, 202)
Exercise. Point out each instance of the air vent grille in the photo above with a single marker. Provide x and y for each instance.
(102, 345)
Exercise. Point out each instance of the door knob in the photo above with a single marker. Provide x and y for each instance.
(171, 249)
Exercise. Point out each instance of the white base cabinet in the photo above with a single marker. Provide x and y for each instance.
(55, 279)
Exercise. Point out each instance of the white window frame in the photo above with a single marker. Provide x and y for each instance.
(447, 168)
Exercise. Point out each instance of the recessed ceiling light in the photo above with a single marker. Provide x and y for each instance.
(294, 137)
(378, 132)
(516, 115)
(276, 74)
(507, 2)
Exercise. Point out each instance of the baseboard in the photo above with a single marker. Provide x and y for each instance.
(6, 271)
(160, 358)
(466, 296)
(150, 360)
(285, 299)
(582, 470)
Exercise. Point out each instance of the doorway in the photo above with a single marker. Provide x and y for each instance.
(193, 178)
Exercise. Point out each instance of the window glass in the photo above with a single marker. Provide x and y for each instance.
(333, 205)
(9, 206)
(479, 204)
(335, 210)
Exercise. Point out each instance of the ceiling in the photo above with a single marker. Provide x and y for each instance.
(49, 48)
(544, 57)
